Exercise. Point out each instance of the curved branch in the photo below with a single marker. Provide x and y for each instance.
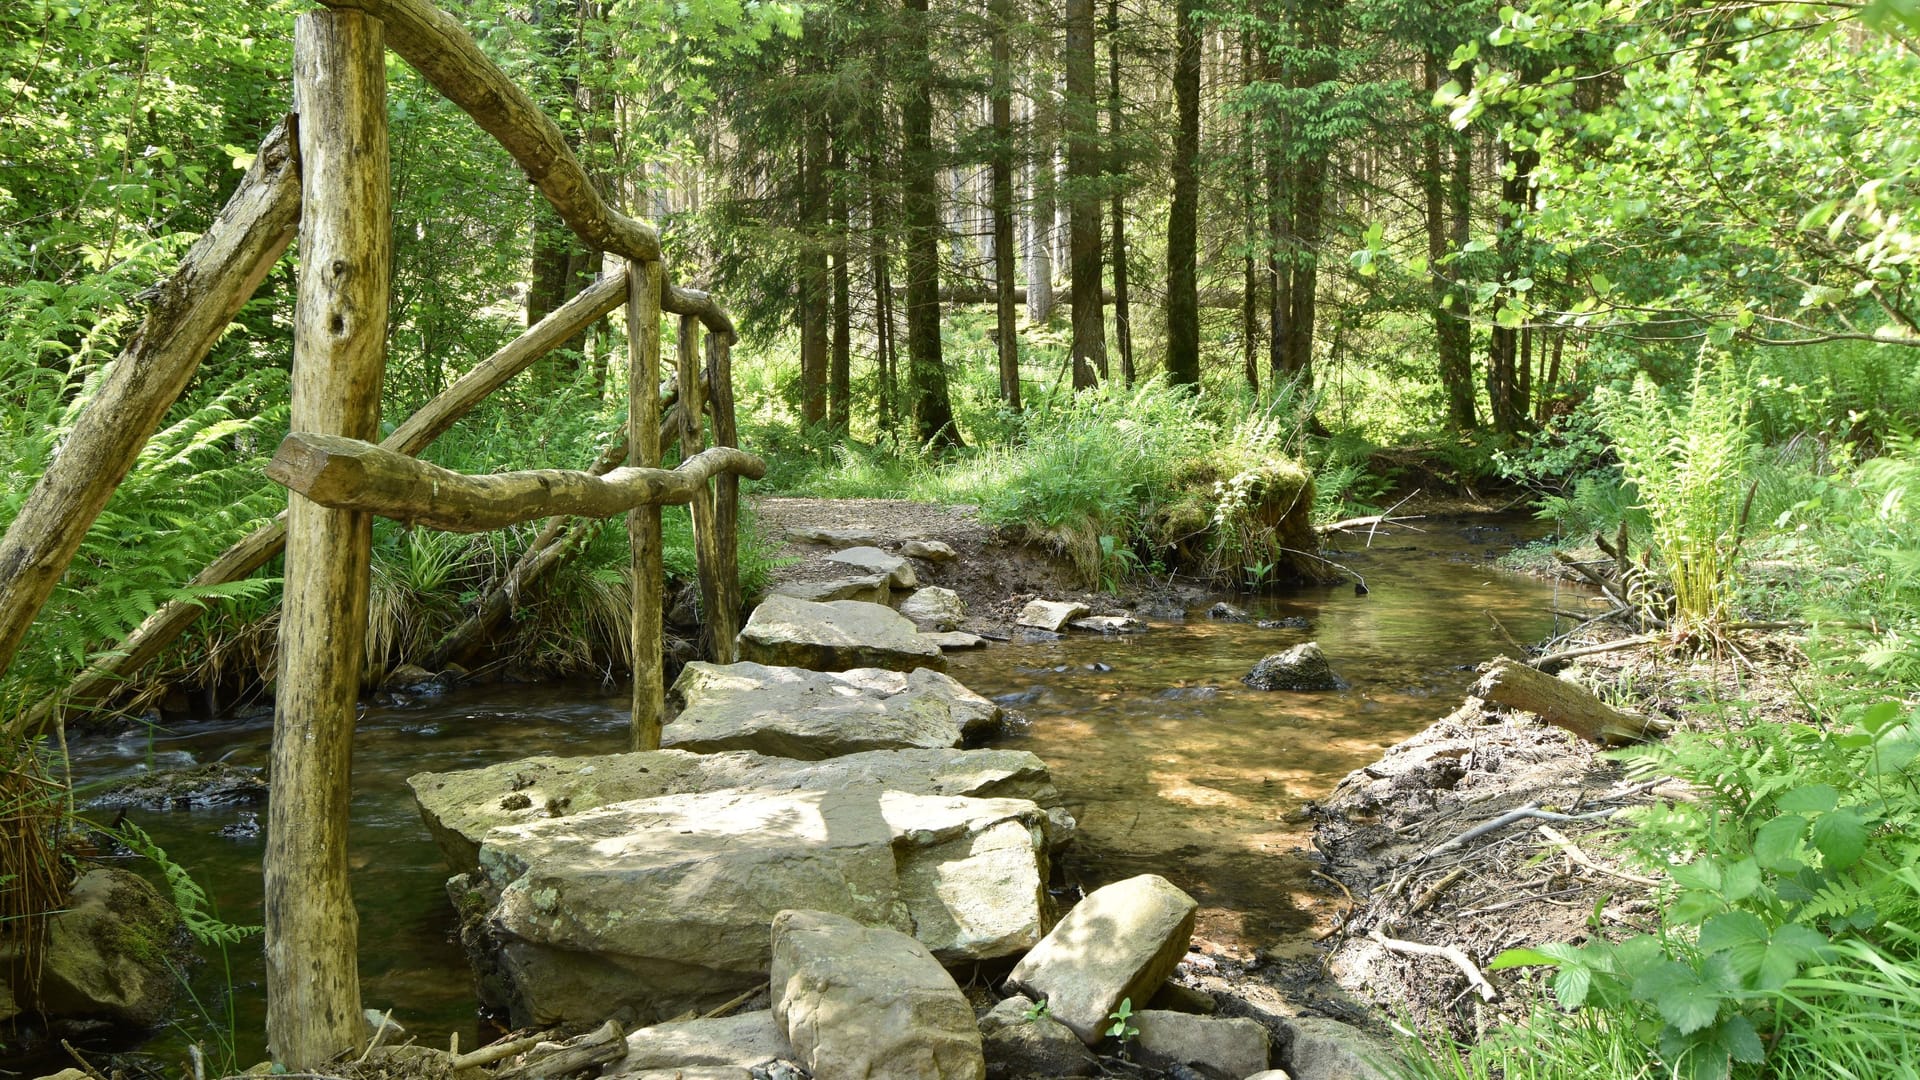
(352, 475)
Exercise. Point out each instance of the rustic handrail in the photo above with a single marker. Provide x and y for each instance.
(348, 474)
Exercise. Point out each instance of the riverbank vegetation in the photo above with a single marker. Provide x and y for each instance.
(1646, 268)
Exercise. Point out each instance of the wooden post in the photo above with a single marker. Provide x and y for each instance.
(692, 441)
(643, 523)
(723, 611)
(340, 325)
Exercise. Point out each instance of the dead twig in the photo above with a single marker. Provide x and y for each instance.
(1558, 839)
(1524, 813)
(1449, 953)
(1590, 650)
(487, 1055)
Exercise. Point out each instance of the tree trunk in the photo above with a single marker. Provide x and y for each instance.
(1007, 337)
(815, 283)
(1250, 235)
(340, 328)
(1452, 333)
(1040, 189)
(1117, 167)
(1506, 389)
(1183, 217)
(932, 410)
(643, 522)
(1083, 172)
(840, 366)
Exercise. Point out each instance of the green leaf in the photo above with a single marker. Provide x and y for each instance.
(1840, 837)
(1513, 958)
(1812, 799)
(1733, 929)
(1776, 843)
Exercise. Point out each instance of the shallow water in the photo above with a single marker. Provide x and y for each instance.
(1164, 774)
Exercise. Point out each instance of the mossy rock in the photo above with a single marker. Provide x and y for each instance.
(110, 952)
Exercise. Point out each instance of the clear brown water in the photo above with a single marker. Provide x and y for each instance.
(1163, 776)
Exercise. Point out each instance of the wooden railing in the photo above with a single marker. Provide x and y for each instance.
(325, 170)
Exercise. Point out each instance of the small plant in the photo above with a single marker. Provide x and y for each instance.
(1122, 1027)
(1039, 1010)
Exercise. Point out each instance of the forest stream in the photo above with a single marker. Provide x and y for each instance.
(1170, 764)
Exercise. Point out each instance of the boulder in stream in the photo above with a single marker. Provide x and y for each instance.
(1051, 616)
(199, 787)
(108, 953)
(1235, 1047)
(1303, 667)
(642, 910)
(744, 1041)
(1118, 944)
(935, 609)
(865, 1001)
(810, 715)
(461, 807)
(835, 636)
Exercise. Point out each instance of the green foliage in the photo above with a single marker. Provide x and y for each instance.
(1122, 1027)
(1801, 863)
(189, 897)
(1686, 462)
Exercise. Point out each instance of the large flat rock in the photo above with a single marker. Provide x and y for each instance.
(1118, 944)
(874, 589)
(835, 636)
(460, 807)
(642, 910)
(796, 713)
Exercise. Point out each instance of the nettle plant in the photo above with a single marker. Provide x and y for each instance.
(1805, 842)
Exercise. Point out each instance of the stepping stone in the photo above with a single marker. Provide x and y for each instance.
(835, 636)
(930, 550)
(1118, 944)
(744, 1041)
(1303, 667)
(955, 640)
(872, 588)
(854, 536)
(795, 713)
(861, 1001)
(935, 609)
(1213, 1045)
(1110, 624)
(461, 807)
(642, 910)
(874, 561)
(1050, 615)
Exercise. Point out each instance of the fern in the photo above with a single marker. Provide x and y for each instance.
(195, 906)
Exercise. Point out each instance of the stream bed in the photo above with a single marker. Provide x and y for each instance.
(1169, 763)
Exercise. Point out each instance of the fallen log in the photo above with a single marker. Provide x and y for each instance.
(348, 474)
(606, 1043)
(1563, 704)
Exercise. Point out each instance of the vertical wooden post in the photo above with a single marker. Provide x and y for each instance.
(340, 326)
(644, 280)
(692, 441)
(723, 608)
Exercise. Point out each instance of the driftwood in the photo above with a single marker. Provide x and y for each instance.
(1563, 704)
(436, 45)
(339, 356)
(1449, 953)
(186, 314)
(606, 1043)
(348, 474)
(106, 675)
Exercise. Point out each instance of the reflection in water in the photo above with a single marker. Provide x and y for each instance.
(1170, 764)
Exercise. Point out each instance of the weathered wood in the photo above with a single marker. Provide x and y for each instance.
(549, 546)
(107, 674)
(339, 343)
(441, 50)
(706, 553)
(598, 1047)
(349, 474)
(1563, 704)
(723, 616)
(186, 314)
(643, 522)
(679, 301)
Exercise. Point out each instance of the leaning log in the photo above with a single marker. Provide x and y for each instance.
(724, 614)
(339, 357)
(442, 51)
(186, 314)
(646, 627)
(106, 675)
(1564, 704)
(349, 474)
